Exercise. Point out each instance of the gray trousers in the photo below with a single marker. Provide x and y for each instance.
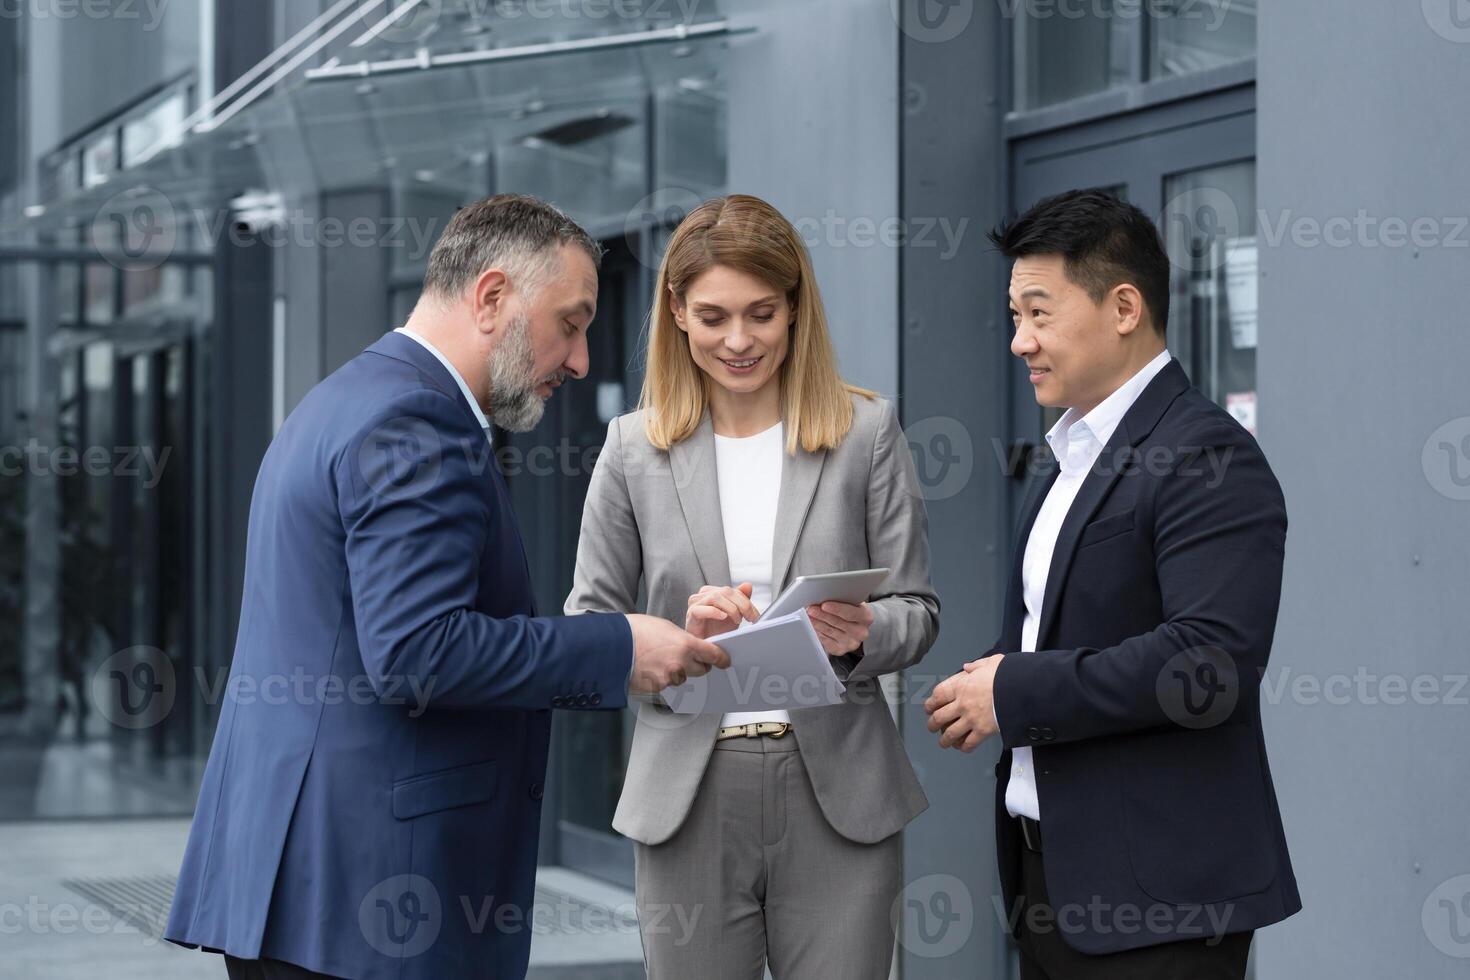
(757, 875)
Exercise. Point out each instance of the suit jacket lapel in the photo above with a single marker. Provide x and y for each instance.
(698, 488)
(799, 476)
(1117, 456)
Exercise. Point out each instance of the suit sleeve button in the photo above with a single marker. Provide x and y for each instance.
(557, 701)
(1033, 733)
(595, 700)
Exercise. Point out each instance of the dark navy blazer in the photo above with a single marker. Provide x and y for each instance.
(372, 799)
(1158, 818)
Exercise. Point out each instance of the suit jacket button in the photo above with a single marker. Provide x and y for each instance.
(557, 701)
(595, 700)
(538, 790)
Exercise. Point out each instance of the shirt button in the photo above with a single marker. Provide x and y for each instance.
(538, 790)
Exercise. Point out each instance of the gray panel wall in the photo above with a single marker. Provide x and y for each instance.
(955, 375)
(813, 105)
(1363, 355)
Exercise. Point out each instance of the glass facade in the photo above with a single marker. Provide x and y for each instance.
(124, 574)
(101, 520)
(1065, 50)
(1062, 54)
(1190, 37)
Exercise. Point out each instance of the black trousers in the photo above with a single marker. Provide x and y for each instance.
(268, 970)
(1045, 954)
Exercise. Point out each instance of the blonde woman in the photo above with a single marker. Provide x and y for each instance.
(761, 837)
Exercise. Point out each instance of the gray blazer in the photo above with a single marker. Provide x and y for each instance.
(655, 516)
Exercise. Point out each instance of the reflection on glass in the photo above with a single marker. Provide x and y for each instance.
(1210, 235)
(1189, 37)
(1063, 51)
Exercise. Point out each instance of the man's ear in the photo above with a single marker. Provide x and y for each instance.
(488, 298)
(1125, 306)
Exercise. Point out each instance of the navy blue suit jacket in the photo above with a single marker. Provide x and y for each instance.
(372, 799)
(1141, 703)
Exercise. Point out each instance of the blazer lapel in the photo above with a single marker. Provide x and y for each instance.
(799, 476)
(697, 485)
(1137, 423)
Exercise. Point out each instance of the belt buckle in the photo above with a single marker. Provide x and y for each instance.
(782, 727)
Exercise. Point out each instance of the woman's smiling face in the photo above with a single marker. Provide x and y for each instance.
(739, 327)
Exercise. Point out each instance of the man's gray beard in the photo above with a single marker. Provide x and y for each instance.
(514, 403)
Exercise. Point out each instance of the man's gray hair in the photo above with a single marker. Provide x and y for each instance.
(512, 232)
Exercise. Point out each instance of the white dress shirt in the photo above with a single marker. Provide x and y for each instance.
(464, 388)
(749, 474)
(1077, 441)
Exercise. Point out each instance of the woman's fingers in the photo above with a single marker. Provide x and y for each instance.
(733, 601)
(847, 612)
(742, 602)
(703, 591)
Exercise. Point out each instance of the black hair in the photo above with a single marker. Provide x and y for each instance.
(1103, 241)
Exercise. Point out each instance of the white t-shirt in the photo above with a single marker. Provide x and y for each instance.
(749, 473)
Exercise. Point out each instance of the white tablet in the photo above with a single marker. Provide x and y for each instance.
(808, 590)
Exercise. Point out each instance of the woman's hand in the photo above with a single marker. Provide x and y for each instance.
(717, 609)
(841, 627)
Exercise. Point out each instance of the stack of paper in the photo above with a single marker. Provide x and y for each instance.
(774, 664)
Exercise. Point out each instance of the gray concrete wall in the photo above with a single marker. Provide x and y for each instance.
(1365, 415)
(813, 128)
(954, 405)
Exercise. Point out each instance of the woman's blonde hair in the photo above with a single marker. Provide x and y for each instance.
(745, 233)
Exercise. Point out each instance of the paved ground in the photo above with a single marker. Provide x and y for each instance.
(84, 899)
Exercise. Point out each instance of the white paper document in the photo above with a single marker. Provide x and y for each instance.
(774, 664)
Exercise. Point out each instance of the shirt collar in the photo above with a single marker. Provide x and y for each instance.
(1103, 420)
(464, 388)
